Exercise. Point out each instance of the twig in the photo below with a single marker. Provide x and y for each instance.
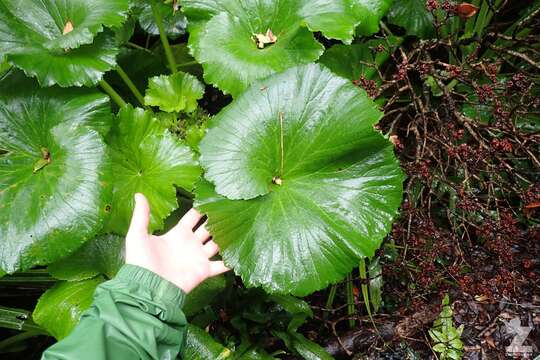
(515, 54)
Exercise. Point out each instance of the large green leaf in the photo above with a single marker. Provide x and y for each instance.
(369, 13)
(323, 185)
(201, 346)
(54, 174)
(307, 349)
(222, 34)
(356, 60)
(147, 159)
(77, 67)
(225, 47)
(413, 16)
(60, 308)
(101, 255)
(334, 19)
(58, 24)
(174, 93)
(230, 57)
(32, 38)
(343, 19)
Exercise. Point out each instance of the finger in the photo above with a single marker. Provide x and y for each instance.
(210, 248)
(141, 216)
(217, 267)
(202, 234)
(188, 221)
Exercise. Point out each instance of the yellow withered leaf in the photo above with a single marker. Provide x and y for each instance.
(68, 28)
(263, 39)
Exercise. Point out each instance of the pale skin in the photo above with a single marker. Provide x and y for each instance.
(181, 256)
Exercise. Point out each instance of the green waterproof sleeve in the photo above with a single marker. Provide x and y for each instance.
(136, 315)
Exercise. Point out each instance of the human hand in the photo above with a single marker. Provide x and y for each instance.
(181, 256)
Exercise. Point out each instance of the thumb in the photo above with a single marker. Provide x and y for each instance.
(141, 216)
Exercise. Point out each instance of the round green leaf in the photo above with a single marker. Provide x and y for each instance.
(222, 34)
(32, 38)
(306, 348)
(357, 60)
(174, 93)
(323, 185)
(147, 159)
(200, 345)
(54, 172)
(413, 16)
(60, 308)
(368, 14)
(333, 19)
(57, 24)
(226, 48)
(174, 21)
(101, 255)
(342, 19)
(83, 66)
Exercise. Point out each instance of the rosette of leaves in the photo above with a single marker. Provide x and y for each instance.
(445, 335)
(299, 185)
(238, 42)
(54, 170)
(146, 158)
(61, 42)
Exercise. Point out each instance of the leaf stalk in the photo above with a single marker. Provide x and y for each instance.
(163, 37)
(130, 84)
(112, 93)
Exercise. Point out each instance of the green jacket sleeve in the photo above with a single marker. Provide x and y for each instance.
(136, 315)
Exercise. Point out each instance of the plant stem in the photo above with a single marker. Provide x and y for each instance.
(163, 37)
(330, 300)
(138, 47)
(31, 278)
(350, 300)
(19, 337)
(17, 319)
(130, 84)
(188, 63)
(282, 145)
(112, 93)
(365, 293)
(385, 28)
